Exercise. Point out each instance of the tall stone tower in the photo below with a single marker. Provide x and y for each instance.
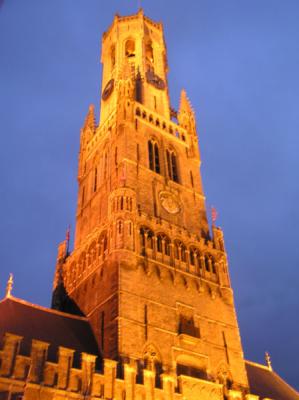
(145, 269)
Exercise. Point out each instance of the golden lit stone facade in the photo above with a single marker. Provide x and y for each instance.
(145, 270)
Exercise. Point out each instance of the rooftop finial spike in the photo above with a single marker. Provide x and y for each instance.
(90, 120)
(185, 104)
(268, 361)
(9, 285)
(214, 215)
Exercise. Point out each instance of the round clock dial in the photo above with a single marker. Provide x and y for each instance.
(169, 202)
(108, 89)
(155, 80)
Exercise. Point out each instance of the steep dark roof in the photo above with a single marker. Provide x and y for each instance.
(267, 384)
(57, 328)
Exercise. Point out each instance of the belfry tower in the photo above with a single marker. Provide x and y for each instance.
(145, 269)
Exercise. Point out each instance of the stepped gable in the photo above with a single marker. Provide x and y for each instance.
(267, 384)
(34, 322)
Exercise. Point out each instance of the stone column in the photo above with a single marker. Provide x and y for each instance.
(88, 367)
(9, 353)
(163, 249)
(110, 377)
(171, 245)
(187, 254)
(149, 384)
(234, 395)
(130, 379)
(202, 263)
(196, 263)
(154, 247)
(39, 352)
(65, 362)
(168, 386)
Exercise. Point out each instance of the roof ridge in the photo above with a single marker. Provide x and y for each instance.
(50, 310)
(277, 376)
(257, 364)
(285, 382)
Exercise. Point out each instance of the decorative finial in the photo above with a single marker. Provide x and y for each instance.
(67, 239)
(268, 361)
(9, 285)
(139, 6)
(90, 120)
(214, 214)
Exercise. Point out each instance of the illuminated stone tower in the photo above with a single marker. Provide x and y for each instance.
(145, 269)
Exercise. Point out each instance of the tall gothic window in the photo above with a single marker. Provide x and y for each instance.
(172, 167)
(153, 155)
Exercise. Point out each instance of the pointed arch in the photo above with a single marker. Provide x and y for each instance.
(153, 156)
(172, 165)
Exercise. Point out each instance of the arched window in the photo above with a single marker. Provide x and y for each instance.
(146, 238)
(163, 239)
(213, 265)
(192, 256)
(172, 168)
(166, 245)
(142, 237)
(176, 251)
(191, 179)
(183, 253)
(159, 244)
(130, 48)
(180, 251)
(207, 263)
(112, 55)
(150, 240)
(120, 227)
(153, 155)
(149, 54)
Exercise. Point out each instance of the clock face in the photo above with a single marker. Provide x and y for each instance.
(169, 202)
(155, 80)
(108, 89)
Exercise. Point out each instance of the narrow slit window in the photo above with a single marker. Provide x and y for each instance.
(95, 183)
(102, 330)
(83, 196)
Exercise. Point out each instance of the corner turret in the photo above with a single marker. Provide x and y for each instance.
(186, 115)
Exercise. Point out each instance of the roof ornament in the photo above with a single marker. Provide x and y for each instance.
(9, 286)
(67, 239)
(214, 215)
(268, 361)
(139, 5)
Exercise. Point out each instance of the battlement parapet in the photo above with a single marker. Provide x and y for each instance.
(34, 375)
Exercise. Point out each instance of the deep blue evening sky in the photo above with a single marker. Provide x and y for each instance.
(239, 62)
